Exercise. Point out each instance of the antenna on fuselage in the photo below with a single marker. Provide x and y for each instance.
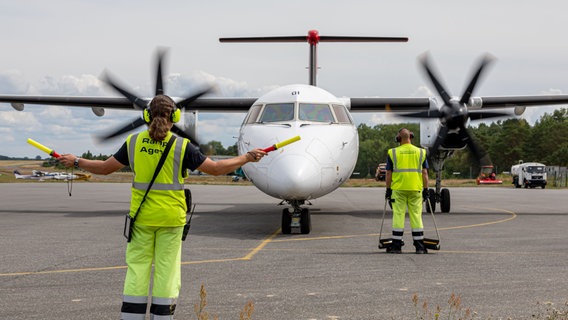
(313, 38)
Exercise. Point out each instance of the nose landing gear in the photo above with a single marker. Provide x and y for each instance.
(296, 217)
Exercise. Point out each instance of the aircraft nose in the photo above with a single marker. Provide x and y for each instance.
(294, 177)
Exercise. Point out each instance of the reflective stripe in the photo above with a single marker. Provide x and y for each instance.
(130, 316)
(135, 299)
(418, 234)
(157, 186)
(131, 149)
(397, 233)
(164, 301)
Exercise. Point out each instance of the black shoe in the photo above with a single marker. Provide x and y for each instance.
(420, 248)
(394, 250)
(395, 247)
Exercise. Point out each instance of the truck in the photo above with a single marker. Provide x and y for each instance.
(529, 175)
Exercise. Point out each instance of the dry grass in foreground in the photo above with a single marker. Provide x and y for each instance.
(455, 310)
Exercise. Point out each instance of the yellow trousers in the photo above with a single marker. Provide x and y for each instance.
(161, 246)
(404, 199)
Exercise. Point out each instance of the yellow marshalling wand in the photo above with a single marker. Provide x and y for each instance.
(281, 144)
(43, 148)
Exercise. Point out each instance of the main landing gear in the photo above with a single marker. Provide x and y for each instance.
(442, 197)
(439, 195)
(296, 217)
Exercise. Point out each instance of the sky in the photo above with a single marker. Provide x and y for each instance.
(61, 47)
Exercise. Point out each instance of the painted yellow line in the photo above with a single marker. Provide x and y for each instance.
(248, 256)
(513, 216)
(261, 245)
(59, 271)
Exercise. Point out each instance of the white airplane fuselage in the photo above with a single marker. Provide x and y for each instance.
(312, 167)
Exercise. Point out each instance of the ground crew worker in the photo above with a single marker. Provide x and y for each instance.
(156, 236)
(407, 186)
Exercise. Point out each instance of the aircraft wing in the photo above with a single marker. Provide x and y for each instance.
(243, 104)
(423, 104)
(201, 104)
(514, 101)
(388, 104)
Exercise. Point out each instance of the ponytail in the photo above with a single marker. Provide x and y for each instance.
(161, 109)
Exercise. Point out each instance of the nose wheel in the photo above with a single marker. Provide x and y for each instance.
(297, 218)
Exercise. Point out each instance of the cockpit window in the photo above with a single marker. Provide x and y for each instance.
(315, 112)
(342, 114)
(253, 114)
(278, 112)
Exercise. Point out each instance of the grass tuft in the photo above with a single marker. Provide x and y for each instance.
(202, 314)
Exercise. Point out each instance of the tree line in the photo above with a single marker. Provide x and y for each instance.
(506, 142)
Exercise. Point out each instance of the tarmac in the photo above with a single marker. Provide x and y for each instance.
(503, 253)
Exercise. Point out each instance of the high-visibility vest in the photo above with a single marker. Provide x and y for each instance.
(165, 203)
(407, 162)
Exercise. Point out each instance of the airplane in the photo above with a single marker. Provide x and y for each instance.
(326, 155)
(44, 175)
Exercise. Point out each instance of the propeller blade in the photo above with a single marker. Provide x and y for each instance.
(469, 90)
(442, 134)
(129, 127)
(177, 130)
(140, 103)
(481, 156)
(159, 72)
(439, 87)
(479, 115)
(187, 101)
(422, 114)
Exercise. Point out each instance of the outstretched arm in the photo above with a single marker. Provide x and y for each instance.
(229, 165)
(105, 167)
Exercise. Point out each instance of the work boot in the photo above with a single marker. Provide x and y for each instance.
(395, 247)
(420, 248)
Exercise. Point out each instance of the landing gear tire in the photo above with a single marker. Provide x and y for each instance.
(432, 198)
(286, 222)
(445, 200)
(305, 221)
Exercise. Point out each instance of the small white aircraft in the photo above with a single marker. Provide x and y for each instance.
(44, 175)
(326, 155)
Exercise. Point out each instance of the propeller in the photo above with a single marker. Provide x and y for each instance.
(141, 104)
(454, 113)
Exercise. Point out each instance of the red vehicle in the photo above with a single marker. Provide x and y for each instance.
(487, 176)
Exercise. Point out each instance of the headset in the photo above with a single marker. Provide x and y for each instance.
(397, 138)
(175, 116)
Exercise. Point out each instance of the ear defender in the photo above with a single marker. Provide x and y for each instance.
(397, 138)
(174, 117)
(147, 115)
